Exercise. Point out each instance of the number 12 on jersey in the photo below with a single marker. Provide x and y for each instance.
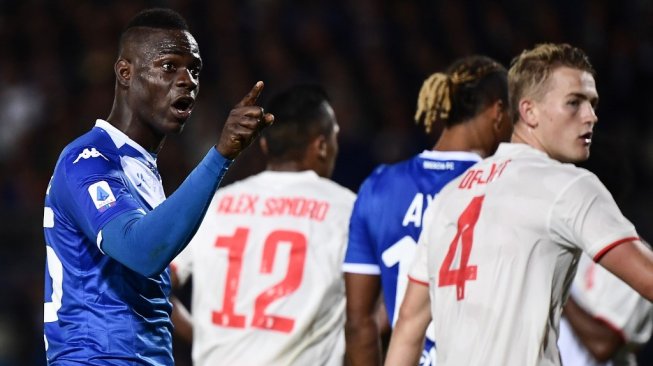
(235, 245)
(464, 239)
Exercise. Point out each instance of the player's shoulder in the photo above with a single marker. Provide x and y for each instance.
(93, 146)
(250, 184)
(572, 171)
(272, 182)
(389, 180)
(396, 168)
(561, 172)
(383, 173)
(88, 154)
(531, 165)
(337, 189)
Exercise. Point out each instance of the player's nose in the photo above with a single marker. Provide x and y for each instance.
(186, 79)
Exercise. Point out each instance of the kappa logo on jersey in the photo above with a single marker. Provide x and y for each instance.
(102, 195)
(92, 153)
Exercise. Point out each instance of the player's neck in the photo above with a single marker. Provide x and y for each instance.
(462, 137)
(286, 166)
(523, 134)
(140, 133)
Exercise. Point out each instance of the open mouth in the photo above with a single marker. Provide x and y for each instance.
(183, 106)
(587, 138)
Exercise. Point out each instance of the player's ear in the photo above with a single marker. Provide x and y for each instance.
(321, 146)
(317, 148)
(528, 112)
(498, 111)
(123, 71)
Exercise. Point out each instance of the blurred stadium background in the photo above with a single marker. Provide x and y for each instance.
(56, 78)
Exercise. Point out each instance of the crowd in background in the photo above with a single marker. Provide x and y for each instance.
(56, 78)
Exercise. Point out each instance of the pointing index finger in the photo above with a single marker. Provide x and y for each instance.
(252, 96)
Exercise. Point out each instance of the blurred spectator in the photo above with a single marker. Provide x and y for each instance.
(21, 109)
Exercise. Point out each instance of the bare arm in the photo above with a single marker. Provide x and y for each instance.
(383, 323)
(633, 263)
(361, 327)
(181, 317)
(597, 336)
(407, 339)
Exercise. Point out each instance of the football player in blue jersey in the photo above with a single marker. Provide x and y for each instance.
(109, 231)
(471, 101)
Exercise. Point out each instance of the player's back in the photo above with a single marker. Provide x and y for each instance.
(267, 285)
(502, 244)
(387, 217)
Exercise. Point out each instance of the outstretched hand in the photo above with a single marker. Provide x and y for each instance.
(246, 120)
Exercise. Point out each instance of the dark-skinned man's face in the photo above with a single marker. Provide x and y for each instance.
(165, 80)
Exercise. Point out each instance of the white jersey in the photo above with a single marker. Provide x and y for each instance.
(266, 264)
(499, 249)
(609, 299)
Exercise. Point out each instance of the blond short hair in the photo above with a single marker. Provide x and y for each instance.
(530, 71)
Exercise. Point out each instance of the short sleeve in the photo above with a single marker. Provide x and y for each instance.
(418, 270)
(586, 216)
(98, 192)
(360, 255)
(608, 298)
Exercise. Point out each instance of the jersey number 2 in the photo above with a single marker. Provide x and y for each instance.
(464, 239)
(236, 246)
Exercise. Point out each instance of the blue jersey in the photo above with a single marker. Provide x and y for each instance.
(96, 310)
(387, 218)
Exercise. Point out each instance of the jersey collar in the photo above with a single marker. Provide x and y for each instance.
(514, 148)
(450, 155)
(119, 139)
(290, 176)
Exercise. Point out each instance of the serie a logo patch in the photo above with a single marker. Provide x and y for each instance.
(102, 195)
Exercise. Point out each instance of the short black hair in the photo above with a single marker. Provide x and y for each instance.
(299, 117)
(160, 18)
(155, 18)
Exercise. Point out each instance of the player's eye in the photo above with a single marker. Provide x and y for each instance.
(195, 71)
(573, 102)
(168, 66)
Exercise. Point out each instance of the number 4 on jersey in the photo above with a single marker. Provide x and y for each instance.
(464, 237)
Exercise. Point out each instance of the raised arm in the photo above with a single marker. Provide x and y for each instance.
(146, 243)
(407, 341)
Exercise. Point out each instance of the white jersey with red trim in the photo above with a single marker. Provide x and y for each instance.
(499, 249)
(266, 267)
(606, 297)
